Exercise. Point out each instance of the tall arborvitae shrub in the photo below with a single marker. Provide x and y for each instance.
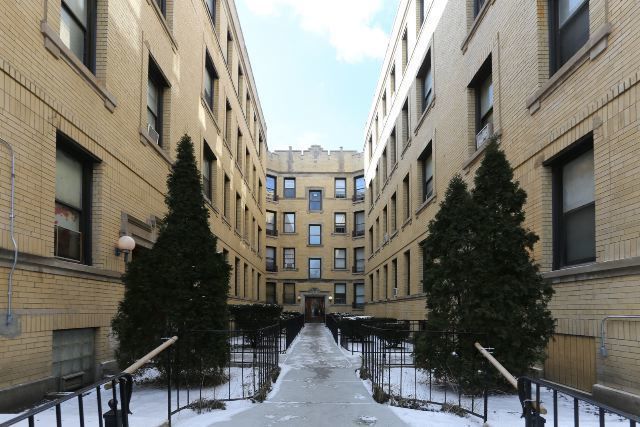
(180, 286)
(481, 282)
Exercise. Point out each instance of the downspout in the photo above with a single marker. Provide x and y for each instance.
(12, 217)
(603, 329)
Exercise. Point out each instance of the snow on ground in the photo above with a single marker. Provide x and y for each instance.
(503, 410)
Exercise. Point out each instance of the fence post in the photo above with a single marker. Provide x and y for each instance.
(169, 386)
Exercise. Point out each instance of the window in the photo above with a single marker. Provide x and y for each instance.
(315, 234)
(227, 196)
(407, 197)
(271, 259)
(393, 149)
(340, 259)
(384, 104)
(77, 29)
(359, 186)
(229, 50)
(384, 283)
(425, 162)
(394, 276)
(162, 5)
(569, 29)
(392, 80)
(210, 78)
(340, 222)
(156, 84)
(271, 224)
(405, 124)
(340, 293)
(271, 188)
(289, 222)
(271, 293)
(477, 7)
(359, 224)
(371, 242)
(385, 165)
(209, 173)
(405, 51)
(228, 126)
(289, 294)
(394, 213)
(315, 200)
(420, 13)
(238, 213)
(72, 230)
(574, 207)
(341, 188)
(385, 222)
(359, 257)
(73, 351)
(315, 268)
(407, 272)
(482, 84)
(240, 85)
(425, 83)
(358, 295)
(289, 188)
(289, 255)
(239, 148)
(236, 277)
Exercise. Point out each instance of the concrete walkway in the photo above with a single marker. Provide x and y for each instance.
(319, 388)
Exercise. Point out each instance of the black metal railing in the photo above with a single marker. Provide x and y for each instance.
(357, 233)
(532, 403)
(357, 197)
(273, 232)
(389, 361)
(251, 366)
(357, 269)
(121, 388)
(272, 267)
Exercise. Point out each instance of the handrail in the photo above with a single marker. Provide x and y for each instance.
(145, 359)
(506, 374)
(603, 331)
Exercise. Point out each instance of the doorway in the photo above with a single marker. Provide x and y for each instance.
(314, 309)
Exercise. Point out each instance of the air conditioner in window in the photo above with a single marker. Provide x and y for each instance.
(484, 135)
(385, 238)
(395, 292)
(289, 265)
(155, 136)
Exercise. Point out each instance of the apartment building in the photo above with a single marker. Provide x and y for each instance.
(556, 81)
(94, 96)
(315, 219)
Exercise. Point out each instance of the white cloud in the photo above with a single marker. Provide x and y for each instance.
(347, 24)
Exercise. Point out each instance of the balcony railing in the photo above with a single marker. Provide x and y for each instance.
(273, 232)
(357, 233)
(358, 268)
(358, 197)
(272, 197)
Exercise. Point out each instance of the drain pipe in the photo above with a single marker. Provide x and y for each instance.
(12, 218)
(603, 329)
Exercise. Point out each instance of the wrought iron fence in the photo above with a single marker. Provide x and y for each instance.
(389, 360)
(533, 401)
(251, 366)
(121, 387)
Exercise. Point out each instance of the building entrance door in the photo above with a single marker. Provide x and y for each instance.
(314, 309)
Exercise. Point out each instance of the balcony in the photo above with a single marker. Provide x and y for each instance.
(273, 232)
(357, 233)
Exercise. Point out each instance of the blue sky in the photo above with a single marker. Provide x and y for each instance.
(316, 65)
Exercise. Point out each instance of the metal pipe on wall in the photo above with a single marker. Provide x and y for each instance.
(12, 217)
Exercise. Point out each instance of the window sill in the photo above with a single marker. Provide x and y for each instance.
(212, 116)
(358, 237)
(425, 114)
(57, 48)
(225, 220)
(595, 270)
(315, 246)
(394, 234)
(425, 203)
(285, 233)
(476, 23)
(146, 139)
(406, 223)
(339, 234)
(226, 145)
(340, 269)
(209, 203)
(163, 21)
(405, 148)
(315, 212)
(597, 43)
(478, 153)
(289, 269)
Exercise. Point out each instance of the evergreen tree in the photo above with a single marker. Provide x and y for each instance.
(510, 297)
(180, 286)
(479, 278)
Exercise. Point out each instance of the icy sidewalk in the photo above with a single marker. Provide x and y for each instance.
(318, 387)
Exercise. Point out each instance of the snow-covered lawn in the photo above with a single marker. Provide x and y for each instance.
(503, 410)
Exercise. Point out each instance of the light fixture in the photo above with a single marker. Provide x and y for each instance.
(125, 246)
(299, 298)
(330, 298)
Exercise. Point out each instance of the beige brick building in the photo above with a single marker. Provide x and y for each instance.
(94, 96)
(315, 254)
(557, 83)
